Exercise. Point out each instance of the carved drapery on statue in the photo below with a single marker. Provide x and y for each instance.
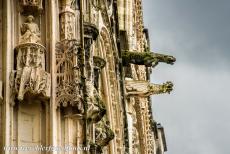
(30, 75)
(149, 59)
(144, 88)
(68, 89)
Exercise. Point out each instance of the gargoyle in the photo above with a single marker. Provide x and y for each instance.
(103, 135)
(149, 59)
(145, 89)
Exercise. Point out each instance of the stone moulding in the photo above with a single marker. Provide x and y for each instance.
(149, 59)
(1, 97)
(91, 30)
(30, 75)
(144, 88)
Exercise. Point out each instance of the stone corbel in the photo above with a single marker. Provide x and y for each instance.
(30, 76)
(90, 31)
(149, 59)
(99, 64)
(144, 88)
(103, 135)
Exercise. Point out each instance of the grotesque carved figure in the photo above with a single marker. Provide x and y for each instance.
(103, 135)
(30, 32)
(149, 59)
(145, 89)
(96, 107)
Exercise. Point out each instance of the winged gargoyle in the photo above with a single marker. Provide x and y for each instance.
(149, 59)
(145, 89)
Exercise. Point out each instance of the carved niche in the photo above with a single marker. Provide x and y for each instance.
(144, 88)
(30, 75)
(31, 6)
(99, 63)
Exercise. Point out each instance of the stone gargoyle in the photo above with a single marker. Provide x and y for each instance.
(103, 135)
(144, 88)
(149, 59)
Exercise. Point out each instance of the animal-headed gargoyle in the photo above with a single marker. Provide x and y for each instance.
(147, 58)
(145, 89)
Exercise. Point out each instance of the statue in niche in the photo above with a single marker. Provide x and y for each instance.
(30, 32)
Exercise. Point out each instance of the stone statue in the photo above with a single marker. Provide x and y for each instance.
(149, 59)
(30, 32)
(145, 89)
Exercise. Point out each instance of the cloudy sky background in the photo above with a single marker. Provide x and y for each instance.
(196, 116)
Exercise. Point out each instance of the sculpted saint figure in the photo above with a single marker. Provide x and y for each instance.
(30, 32)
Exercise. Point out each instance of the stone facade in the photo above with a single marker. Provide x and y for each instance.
(76, 73)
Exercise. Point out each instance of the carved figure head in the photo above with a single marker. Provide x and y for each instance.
(30, 18)
(167, 87)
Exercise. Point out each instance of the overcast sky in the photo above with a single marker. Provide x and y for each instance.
(196, 115)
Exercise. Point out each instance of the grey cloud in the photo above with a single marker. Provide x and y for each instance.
(196, 114)
(199, 28)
